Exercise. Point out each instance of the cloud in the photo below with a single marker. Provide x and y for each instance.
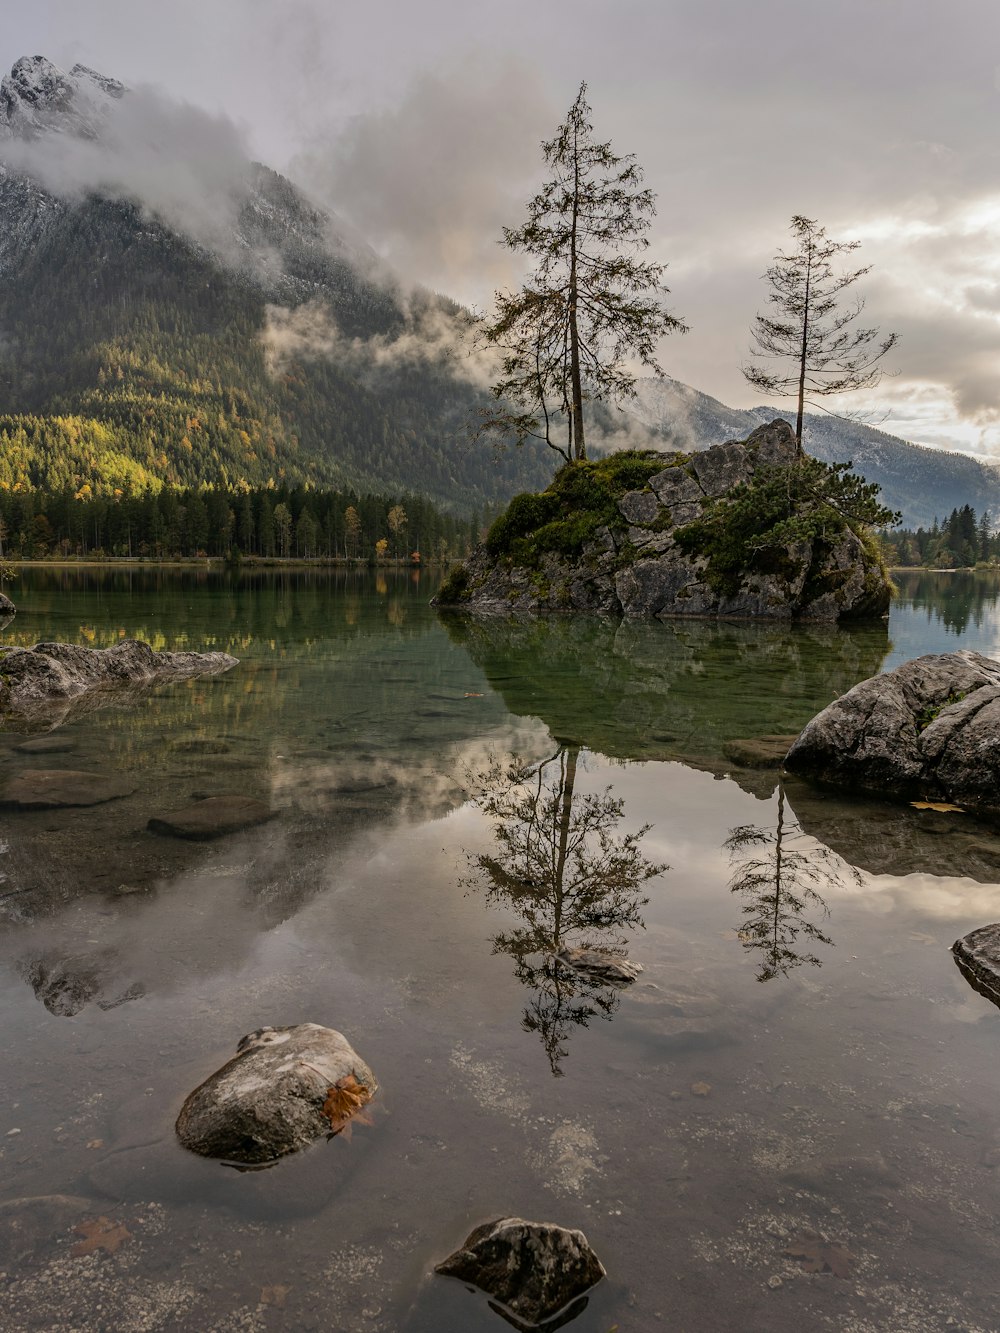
(432, 335)
(185, 166)
(431, 181)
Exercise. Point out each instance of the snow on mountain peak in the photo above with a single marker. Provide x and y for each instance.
(37, 97)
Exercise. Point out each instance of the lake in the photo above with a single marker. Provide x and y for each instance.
(789, 1121)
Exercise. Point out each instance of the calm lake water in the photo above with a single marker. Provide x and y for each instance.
(800, 1079)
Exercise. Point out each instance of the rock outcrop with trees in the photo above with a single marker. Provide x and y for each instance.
(744, 529)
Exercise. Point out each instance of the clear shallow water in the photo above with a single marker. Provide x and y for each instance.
(853, 1097)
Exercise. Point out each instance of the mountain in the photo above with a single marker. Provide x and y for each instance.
(239, 335)
(922, 483)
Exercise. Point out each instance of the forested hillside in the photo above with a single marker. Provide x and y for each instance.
(136, 353)
(129, 359)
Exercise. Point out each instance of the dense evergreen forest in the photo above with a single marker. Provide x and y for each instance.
(961, 541)
(130, 359)
(284, 522)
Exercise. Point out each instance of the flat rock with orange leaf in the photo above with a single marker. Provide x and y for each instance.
(284, 1089)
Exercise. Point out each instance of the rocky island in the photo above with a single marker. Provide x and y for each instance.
(746, 529)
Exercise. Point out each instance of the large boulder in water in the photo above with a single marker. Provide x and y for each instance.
(534, 1270)
(32, 679)
(277, 1095)
(928, 730)
(634, 535)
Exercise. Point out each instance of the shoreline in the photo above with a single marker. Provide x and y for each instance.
(218, 562)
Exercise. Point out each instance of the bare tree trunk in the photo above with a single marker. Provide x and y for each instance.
(576, 407)
(802, 357)
(567, 760)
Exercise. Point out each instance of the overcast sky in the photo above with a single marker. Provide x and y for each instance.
(420, 120)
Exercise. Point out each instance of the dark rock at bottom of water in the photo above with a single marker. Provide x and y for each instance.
(212, 817)
(537, 1272)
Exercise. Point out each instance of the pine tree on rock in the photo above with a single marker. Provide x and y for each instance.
(592, 301)
(827, 352)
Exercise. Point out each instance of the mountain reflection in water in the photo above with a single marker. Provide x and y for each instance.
(695, 1138)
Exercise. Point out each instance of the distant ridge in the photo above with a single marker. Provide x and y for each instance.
(921, 482)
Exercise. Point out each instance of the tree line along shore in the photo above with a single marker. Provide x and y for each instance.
(267, 523)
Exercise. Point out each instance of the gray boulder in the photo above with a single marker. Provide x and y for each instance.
(32, 679)
(268, 1100)
(534, 1270)
(638, 569)
(978, 956)
(928, 730)
(7, 607)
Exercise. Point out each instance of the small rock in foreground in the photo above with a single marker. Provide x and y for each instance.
(269, 1100)
(51, 788)
(978, 956)
(534, 1270)
(212, 817)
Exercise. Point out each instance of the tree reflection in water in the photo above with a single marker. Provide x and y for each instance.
(558, 863)
(779, 881)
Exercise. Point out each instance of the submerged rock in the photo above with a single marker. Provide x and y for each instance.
(639, 564)
(534, 1270)
(268, 1100)
(978, 956)
(212, 817)
(758, 751)
(7, 607)
(50, 744)
(52, 788)
(930, 729)
(602, 967)
(31, 678)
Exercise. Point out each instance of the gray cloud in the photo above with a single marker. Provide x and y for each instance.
(431, 336)
(431, 180)
(184, 165)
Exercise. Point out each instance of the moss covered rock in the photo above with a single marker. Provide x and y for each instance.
(658, 535)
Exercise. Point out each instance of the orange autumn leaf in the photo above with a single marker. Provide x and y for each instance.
(344, 1102)
(99, 1233)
